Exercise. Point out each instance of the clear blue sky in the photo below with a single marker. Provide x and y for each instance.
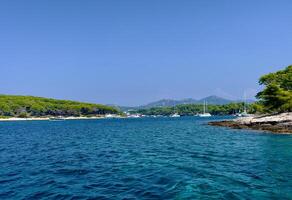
(133, 52)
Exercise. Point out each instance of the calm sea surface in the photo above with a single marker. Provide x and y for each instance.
(159, 158)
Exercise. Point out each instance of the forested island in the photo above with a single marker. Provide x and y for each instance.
(193, 109)
(29, 106)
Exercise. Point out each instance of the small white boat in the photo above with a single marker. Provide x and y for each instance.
(238, 115)
(59, 118)
(134, 116)
(175, 115)
(245, 114)
(109, 116)
(205, 114)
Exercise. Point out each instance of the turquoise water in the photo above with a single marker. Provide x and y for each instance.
(162, 158)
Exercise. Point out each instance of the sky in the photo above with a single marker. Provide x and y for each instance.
(133, 52)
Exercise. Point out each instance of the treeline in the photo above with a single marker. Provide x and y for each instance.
(193, 109)
(25, 106)
(277, 94)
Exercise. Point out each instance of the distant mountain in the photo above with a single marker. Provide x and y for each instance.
(215, 100)
(171, 102)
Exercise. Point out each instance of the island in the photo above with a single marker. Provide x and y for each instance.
(13, 107)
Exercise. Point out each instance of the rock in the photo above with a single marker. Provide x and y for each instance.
(280, 123)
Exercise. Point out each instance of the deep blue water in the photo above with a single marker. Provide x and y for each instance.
(162, 158)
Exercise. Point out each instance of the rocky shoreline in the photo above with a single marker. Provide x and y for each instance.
(280, 123)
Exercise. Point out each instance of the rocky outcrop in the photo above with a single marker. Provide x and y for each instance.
(280, 123)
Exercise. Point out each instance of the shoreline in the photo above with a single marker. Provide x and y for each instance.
(279, 123)
(51, 118)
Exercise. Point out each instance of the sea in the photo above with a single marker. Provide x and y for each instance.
(143, 158)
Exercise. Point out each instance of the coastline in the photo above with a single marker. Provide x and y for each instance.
(24, 119)
(50, 118)
(279, 123)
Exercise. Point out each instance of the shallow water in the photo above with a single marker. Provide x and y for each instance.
(161, 158)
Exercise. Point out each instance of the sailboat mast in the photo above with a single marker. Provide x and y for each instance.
(206, 109)
(245, 110)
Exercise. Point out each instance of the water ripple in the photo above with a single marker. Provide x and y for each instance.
(141, 159)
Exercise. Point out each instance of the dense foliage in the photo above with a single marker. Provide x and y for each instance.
(193, 109)
(24, 106)
(277, 95)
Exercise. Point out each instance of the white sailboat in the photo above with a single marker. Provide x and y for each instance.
(175, 115)
(244, 113)
(205, 114)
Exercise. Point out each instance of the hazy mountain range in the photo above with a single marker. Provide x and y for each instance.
(171, 102)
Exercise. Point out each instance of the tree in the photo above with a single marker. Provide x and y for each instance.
(277, 95)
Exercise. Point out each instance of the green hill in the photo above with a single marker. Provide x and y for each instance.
(25, 106)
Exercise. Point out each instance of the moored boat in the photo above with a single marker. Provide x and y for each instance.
(59, 118)
(205, 114)
(175, 115)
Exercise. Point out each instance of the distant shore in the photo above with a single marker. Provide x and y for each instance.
(279, 123)
(52, 118)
